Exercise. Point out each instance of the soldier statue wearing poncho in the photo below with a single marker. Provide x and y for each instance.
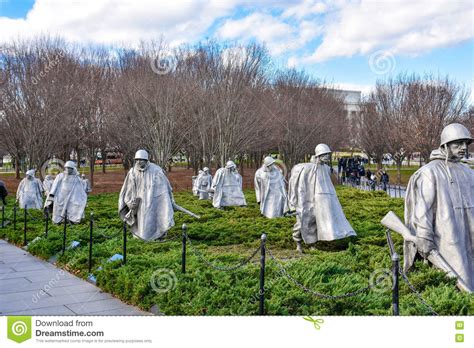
(439, 209)
(227, 187)
(203, 183)
(270, 189)
(319, 214)
(30, 192)
(67, 198)
(47, 184)
(146, 200)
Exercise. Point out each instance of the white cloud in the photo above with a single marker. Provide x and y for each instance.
(118, 21)
(402, 26)
(278, 35)
(305, 9)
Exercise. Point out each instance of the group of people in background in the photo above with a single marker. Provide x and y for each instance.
(352, 170)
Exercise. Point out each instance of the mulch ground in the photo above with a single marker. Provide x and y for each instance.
(111, 181)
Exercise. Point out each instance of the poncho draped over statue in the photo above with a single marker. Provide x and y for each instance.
(227, 186)
(204, 183)
(154, 215)
(319, 213)
(69, 195)
(271, 192)
(439, 207)
(30, 194)
(47, 184)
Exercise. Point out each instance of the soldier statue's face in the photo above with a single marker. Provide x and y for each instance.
(29, 177)
(141, 163)
(268, 168)
(70, 171)
(325, 158)
(458, 149)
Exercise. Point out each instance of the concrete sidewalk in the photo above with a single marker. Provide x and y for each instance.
(30, 286)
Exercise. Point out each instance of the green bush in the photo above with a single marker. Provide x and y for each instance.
(226, 237)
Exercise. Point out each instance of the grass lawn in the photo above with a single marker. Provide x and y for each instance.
(227, 237)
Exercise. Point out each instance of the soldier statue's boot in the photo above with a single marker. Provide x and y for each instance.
(299, 247)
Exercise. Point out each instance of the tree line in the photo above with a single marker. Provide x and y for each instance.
(208, 102)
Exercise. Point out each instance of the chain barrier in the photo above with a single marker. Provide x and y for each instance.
(32, 217)
(416, 292)
(285, 273)
(199, 255)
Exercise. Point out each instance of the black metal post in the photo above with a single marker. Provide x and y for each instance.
(124, 243)
(395, 298)
(14, 217)
(261, 310)
(183, 249)
(24, 226)
(91, 226)
(46, 223)
(3, 216)
(64, 233)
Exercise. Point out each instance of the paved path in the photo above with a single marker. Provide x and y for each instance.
(30, 286)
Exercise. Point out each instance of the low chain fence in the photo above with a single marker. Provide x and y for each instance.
(262, 248)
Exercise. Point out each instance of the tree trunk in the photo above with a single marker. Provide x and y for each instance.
(17, 169)
(399, 173)
(91, 167)
(103, 153)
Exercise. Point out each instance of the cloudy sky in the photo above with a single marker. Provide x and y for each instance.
(350, 43)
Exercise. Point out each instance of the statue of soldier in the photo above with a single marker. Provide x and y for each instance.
(227, 187)
(319, 215)
(47, 184)
(30, 192)
(146, 200)
(86, 184)
(270, 189)
(204, 183)
(439, 208)
(195, 183)
(67, 198)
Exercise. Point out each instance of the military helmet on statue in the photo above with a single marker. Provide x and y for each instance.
(322, 149)
(268, 161)
(141, 155)
(70, 164)
(455, 132)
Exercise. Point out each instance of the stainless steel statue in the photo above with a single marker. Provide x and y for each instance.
(195, 183)
(319, 214)
(67, 196)
(270, 189)
(146, 200)
(227, 187)
(86, 184)
(204, 183)
(439, 208)
(30, 192)
(47, 184)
